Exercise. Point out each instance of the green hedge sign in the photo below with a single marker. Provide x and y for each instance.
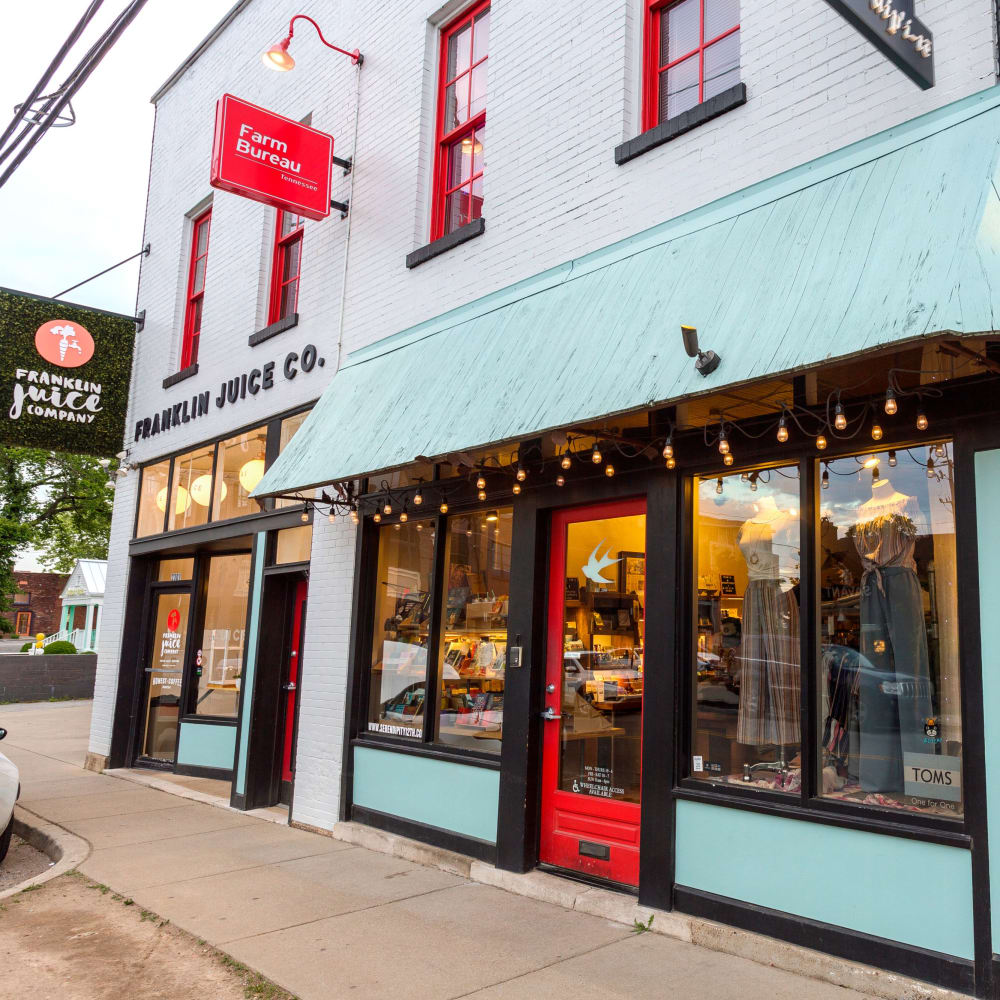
(64, 375)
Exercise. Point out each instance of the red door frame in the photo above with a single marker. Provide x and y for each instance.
(568, 818)
(294, 672)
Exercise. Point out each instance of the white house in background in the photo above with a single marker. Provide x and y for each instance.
(84, 589)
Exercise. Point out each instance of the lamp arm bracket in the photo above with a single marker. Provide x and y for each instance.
(356, 57)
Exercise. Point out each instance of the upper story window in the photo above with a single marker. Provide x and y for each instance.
(286, 267)
(461, 121)
(692, 54)
(196, 288)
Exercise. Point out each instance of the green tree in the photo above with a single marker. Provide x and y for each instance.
(58, 504)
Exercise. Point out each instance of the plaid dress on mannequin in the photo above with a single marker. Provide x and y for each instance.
(769, 654)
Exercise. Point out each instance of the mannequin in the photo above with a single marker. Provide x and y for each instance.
(769, 654)
(893, 639)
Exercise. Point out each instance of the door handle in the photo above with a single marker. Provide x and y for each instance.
(290, 686)
(551, 715)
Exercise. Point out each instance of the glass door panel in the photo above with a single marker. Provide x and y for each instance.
(171, 617)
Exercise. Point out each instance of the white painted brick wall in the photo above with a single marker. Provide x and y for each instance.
(563, 91)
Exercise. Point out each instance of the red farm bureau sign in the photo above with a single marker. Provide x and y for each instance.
(270, 158)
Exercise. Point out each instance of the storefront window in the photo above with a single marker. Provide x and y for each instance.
(746, 665)
(223, 640)
(293, 545)
(289, 427)
(152, 499)
(473, 655)
(240, 469)
(191, 489)
(891, 731)
(173, 570)
(398, 682)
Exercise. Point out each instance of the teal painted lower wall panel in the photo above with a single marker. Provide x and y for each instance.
(909, 891)
(987, 490)
(439, 793)
(206, 746)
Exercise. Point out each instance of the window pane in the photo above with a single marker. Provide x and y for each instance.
(402, 623)
(191, 491)
(240, 468)
(889, 688)
(223, 638)
(288, 428)
(459, 51)
(481, 41)
(722, 65)
(473, 653)
(201, 237)
(460, 156)
(476, 199)
(172, 570)
(478, 142)
(477, 95)
(679, 28)
(720, 16)
(290, 260)
(152, 499)
(289, 299)
(198, 284)
(290, 222)
(293, 545)
(456, 103)
(196, 321)
(746, 663)
(456, 209)
(679, 89)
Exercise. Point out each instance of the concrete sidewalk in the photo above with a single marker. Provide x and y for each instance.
(325, 919)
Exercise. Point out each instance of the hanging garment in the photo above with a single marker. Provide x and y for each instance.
(896, 692)
(769, 654)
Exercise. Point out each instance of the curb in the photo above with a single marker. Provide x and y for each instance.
(63, 847)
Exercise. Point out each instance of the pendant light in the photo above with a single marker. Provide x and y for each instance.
(418, 499)
(921, 421)
(890, 401)
(521, 473)
(482, 494)
(595, 456)
(668, 448)
(821, 442)
(566, 461)
(826, 479)
(782, 430)
(892, 460)
(377, 517)
(723, 443)
(560, 480)
(516, 488)
(480, 483)
(443, 508)
(839, 420)
(251, 473)
(876, 432)
(718, 485)
(609, 470)
(728, 459)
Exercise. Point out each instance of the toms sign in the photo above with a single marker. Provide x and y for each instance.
(271, 159)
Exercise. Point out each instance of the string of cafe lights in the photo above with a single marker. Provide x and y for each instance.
(837, 421)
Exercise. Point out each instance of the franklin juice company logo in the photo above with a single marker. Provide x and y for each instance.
(52, 395)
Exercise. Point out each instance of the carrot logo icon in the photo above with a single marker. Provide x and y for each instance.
(65, 344)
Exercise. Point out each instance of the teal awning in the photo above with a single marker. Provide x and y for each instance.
(891, 239)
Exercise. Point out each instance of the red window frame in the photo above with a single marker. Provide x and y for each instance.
(446, 141)
(195, 296)
(651, 57)
(284, 245)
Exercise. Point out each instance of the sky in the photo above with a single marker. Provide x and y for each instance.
(76, 204)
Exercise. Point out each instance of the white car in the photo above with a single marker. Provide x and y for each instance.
(10, 789)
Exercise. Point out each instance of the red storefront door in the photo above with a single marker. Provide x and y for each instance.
(591, 744)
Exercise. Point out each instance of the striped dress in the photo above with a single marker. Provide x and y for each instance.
(770, 679)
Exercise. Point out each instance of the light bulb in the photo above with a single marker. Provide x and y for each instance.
(892, 459)
(728, 459)
(876, 432)
(668, 449)
(876, 475)
(404, 517)
(723, 444)
(418, 499)
(821, 442)
(517, 488)
(596, 456)
(921, 421)
(930, 467)
(397, 527)
(939, 450)
(521, 474)
(566, 461)
(609, 470)
(443, 508)
(753, 484)
(826, 479)
(782, 431)
(839, 420)
(419, 526)
(377, 517)
(387, 509)
(560, 480)
(482, 494)
(890, 402)
(304, 517)
(331, 517)
(355, 517)
(745, 477)
(671, 462)
(480, 483)
(718, 486)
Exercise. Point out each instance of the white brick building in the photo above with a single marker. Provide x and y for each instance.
(564, 90)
